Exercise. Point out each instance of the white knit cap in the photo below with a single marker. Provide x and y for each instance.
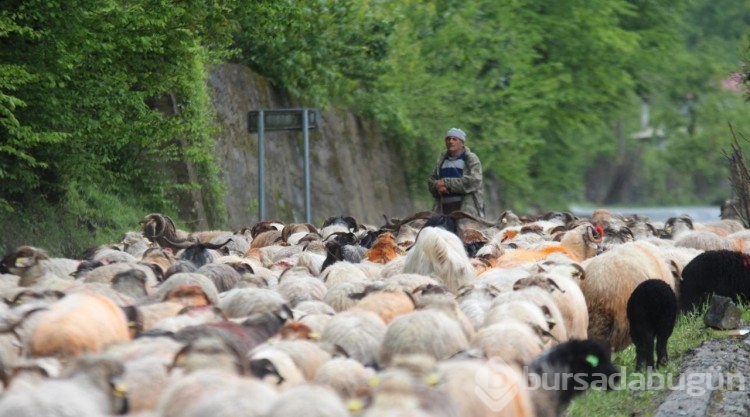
(456, 133)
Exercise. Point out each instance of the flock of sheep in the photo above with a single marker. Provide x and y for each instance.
(429, 315)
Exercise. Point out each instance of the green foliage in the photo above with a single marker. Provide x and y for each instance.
(102, 93)
(62, 231)
(317, 50)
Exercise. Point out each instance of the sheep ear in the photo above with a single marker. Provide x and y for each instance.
(581, 274)
(357, 295)
(675, 269)
(464, 289)
(340, 351)
(688, 221)
(261, 368)
(411, 297)
(351, 223)
(550, 336)
(520, 284)
(286, 313)
(553, 286)
(494, 291)
(548, 317)
(557, 230)
(179, 358)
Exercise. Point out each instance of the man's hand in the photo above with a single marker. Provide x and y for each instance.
(440, 186)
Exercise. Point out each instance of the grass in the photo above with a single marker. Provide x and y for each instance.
(689, 332)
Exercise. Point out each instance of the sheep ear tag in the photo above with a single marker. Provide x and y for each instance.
(592, 360)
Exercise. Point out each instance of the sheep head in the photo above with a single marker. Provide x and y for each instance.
(22, 258)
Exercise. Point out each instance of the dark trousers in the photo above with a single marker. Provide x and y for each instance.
(448, 208)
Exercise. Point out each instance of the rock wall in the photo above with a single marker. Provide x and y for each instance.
(354, 170)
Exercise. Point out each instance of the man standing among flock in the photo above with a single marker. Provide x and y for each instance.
(456, 180)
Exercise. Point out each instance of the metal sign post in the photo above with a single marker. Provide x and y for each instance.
(278, 120)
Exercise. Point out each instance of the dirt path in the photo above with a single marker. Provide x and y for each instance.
(714, 381)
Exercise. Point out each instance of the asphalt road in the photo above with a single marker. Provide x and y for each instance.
(715, 382)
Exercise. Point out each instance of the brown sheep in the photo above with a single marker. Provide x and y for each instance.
(205, 289)
(159, 260)
(579, 243)
(384, 249)
(611, 278)
(308, 355)
(77, 324)
(387, 303)
(470, 384)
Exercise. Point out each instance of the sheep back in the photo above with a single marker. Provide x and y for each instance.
(722, 272)
(430, 332)
(611, 278)
(652, 312)
(77, 324)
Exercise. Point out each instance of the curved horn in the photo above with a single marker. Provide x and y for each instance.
(457, 215)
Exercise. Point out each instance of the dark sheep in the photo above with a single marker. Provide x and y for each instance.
(441, 220)
(243, 337)
(720, 272)
(132, 282)
(652, 312)
(343, 247)
(569, 368)
(201, 254)
(347, 221)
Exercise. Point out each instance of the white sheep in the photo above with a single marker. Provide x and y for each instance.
(440, 254)
(33, 265)
(310, 401)
(348, 377)
(216, 393)
(429, 332)
(83, 390)
(561, 282)
(356, 334)
(513, 341)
